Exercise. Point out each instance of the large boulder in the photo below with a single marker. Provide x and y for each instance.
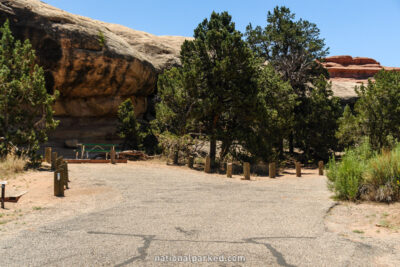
(94, 65)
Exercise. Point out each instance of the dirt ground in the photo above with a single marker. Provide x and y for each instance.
(38, 205)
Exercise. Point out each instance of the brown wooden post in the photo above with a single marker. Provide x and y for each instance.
(246, 170)
(53, 160)
(83, 151)
(207, 166)
(272, 170)
(321, 167)
(229, 170)
(59, 161)
(47, 155)
(3, 193)
(65, 174)
(58, 184)
(112, 154)
(298, 169)
(190, 162)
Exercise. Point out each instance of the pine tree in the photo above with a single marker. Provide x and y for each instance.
(26, 113)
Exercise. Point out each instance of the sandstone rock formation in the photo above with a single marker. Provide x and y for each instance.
(94, 65)
(347, 72)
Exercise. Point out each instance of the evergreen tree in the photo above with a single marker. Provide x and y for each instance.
(26, 113)
(294, 48)
(291, 47)
(315, 129)
(218, 69)
(377, 112)
(275, 103)
(128, 127)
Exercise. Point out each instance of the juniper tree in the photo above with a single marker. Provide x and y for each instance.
(26, 113)
(294, 48)
(218, 69)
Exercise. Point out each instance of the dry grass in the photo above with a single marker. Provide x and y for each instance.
(12, 165)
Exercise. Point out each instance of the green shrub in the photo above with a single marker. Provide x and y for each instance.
(364, 174)
(345, 177)
(383, 176)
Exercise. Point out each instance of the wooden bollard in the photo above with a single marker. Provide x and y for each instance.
(112, 155)
(47, 155)
(272, 170)
(190, 162)
(67, 172)
(64, 169)
(229, 170)
(207, 166)
(53, 160)
(298, 169)
(321, 167)
(58, 163)
(58, 184)
(246, 171)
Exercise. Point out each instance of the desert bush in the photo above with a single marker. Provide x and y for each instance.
(366, 175)
(383, 176)
(12, 164)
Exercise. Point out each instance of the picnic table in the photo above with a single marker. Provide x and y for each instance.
(86, 148)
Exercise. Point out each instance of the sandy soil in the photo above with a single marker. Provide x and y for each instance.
(39, 205)
(367, 219)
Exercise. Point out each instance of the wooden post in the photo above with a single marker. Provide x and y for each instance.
(59, 161)
(76, 155)
(298, 169)
(47, 154)
(229, 170)
(53, 160)
(65, 174)
(112, 154)
(272, 170)
(246, 170)
(58, 184)
(3, 193)
(207, 166)
(321, 167)
(190, 162)
(83, 151)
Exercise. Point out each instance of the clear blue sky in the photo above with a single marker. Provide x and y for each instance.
(369, 28)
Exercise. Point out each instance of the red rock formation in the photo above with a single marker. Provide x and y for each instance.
(347, 72)
(347, 67)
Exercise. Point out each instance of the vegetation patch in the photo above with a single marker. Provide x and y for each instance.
(366, 175)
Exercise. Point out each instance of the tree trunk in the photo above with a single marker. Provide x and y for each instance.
(291, 146)
(281, 148)
(213, 149)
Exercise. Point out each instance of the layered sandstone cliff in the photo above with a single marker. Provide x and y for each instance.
(347, 72)
(94, 65)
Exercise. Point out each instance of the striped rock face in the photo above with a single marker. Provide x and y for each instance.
(347, 72)
(94, 65)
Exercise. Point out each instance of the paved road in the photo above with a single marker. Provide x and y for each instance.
(171, 211)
